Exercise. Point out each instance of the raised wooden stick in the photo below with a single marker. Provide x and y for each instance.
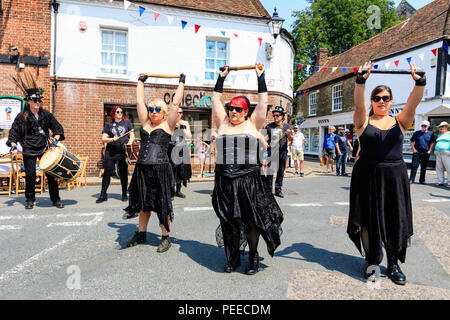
(150, 75)
(241, 68)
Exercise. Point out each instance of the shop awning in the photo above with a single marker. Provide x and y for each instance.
(442, 110)
(329, 120)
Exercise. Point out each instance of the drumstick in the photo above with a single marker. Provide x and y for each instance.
(124, 134)
(150, 75)
(241, 68)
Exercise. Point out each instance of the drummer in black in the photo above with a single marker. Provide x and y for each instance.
(115, 137)
(31, 128)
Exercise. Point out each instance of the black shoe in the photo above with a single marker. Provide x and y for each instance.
(29, 204)
(124, 197)
(138, 238)
(127, 215)
(279, 194)
(395, 274)
(164, 245)
(345, 174)
(337, 174)
(103, 197)
(422, 182)
(180, 195)
(229, 269)
(58, 204)
(369, 276)
(253, 265)
(411, 181)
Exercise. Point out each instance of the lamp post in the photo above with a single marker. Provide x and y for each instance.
(275, 23)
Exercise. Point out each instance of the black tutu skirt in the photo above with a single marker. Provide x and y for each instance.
(152, 188)
(237, 201)
(380, 201)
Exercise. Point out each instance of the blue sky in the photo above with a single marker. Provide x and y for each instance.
(286, 7)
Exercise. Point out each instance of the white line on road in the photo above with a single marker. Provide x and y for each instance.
(305, 205)
(342, 203)
(437, 200)
(98, 217)
(30, 261)
(41, 216)
(198, 209)
(10, 227)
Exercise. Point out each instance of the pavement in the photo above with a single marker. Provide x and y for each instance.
(79, 252)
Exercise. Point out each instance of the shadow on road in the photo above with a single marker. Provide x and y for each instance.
(204, 191)
(333, 261)
(110, 196)
(439, 195)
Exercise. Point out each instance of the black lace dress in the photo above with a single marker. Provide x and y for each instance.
(380, 199)
(241, 197)
(152, 185)
(181, 158)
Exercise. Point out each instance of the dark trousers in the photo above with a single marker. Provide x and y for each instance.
(340, 163)
(280, 173)
(29, 162)
(109, 163)
(421, 158)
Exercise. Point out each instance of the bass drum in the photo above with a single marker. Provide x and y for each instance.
(60, 163)
(132, 152)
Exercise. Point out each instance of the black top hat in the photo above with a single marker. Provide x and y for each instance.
(278, 109)
(33, 93)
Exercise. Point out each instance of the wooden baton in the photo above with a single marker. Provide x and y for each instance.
(241, 68)
(150, 75)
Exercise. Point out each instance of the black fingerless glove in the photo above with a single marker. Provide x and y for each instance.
(422, 81)
(360, 79)
(182, 78)
(262, 83)
(219, 84)
(54, 143)
(12, 149)
(143, 78)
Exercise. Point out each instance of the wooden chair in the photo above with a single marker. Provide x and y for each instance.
(79, 180)
(5, 162)
(20, 176)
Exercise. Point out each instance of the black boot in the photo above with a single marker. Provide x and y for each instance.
(124, 196)
(394, 272)
(253, 263)
(138, 238)
(103, 197)
(164, 245)
(29, 204)
(178, 193)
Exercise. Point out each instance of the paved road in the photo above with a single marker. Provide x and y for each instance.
(78, 252)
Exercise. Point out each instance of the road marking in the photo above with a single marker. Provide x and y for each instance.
(305, 205)
(10, 227)
(98, 217)
(342, 203)
(42, 216)
(198, 209)
(437, 200)
(30, 261)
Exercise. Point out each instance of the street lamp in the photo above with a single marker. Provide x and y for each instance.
(275, 23)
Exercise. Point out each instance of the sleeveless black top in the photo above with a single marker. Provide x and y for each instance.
(380, 145)
(237, 155)
(154, 147)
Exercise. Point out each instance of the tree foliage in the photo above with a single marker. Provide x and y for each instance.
(337, 25)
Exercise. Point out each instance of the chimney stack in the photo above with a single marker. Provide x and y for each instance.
(322, 55)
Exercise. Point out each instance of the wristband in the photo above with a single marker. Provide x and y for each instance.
(360, 79)
(13, 148)
(182, 78)
(422, 81)
(262, 83)
(143, 78)
(219, 84)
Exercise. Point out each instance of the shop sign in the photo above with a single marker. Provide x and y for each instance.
(197, 100)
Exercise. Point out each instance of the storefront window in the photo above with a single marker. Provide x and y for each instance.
(314, 142)
(306, 134)
(130, 114)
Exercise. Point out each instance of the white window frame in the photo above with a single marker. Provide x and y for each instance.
(103, 74)
(313, 96)
(216, 39)
(335, 98)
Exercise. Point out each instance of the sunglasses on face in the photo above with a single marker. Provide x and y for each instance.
(36, 100)
(384, 98)
(237, 109)
(277, 115)
(118, 111)
(180, 112)
(151, 109)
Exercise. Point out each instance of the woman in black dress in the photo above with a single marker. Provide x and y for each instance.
(115, 151)
(153, 185)
(242, 200)
(380, 200)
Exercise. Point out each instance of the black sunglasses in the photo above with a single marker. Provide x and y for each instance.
(151, 109)
(36, 100)
(237, 109)
(378, 98)
(118, 111)
(277, 115)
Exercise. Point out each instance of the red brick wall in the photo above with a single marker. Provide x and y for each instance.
(27, 25)
(80, 108)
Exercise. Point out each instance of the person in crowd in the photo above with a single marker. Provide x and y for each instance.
(202, 149)
(422, 143)
(380, 212)
(442, 152)
(341, 144)
(329, 148)
(297, 151)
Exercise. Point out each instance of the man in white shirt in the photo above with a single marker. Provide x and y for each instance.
(297, 150)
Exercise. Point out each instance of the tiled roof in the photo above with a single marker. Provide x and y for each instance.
(428, 23)
(248, 8)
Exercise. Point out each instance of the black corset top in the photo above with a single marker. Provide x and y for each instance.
(154, 147)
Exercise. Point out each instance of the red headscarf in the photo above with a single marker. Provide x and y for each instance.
(241, 102)
(113, 113)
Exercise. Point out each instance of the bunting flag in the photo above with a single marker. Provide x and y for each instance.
(446, 47)
(387, 65)
(375, 66)
(396, 63)
(170, 19)
(141, 11)
(196, 28)
(247, 77)
(223, 33)
(409, 60)
(196, 78)
(300, 66)
(434, 52)
(317, 69)
(156, 14)
(260, 41)
(421, 56)
(344, 69)
(325, 69)
(126, 4)
(183, 24)
(355, 70)
(233, 78)
(334, 69)
(236, 35)
(308, 68)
